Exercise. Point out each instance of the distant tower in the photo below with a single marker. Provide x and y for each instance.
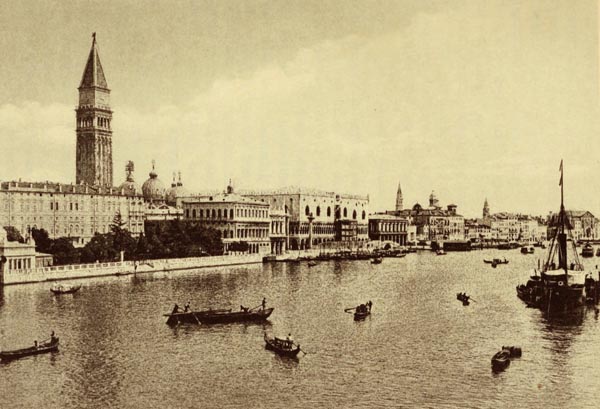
(94, 164)
(486, 208)
(230, 189)
(399, 205)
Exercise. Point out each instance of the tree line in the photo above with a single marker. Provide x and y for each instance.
(162, 239)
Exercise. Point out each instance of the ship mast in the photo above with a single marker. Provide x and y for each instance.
(562, 237)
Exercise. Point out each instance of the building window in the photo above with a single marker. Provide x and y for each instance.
(307, 210)
(364, 214)
(318, 211)
(354, 214)
(231, 217)
(345, 212)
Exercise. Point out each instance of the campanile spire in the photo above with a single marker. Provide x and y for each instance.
(94, 117)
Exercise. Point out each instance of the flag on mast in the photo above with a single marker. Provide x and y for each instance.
(561, 174)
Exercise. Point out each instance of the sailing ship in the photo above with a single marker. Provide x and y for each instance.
(559, 287)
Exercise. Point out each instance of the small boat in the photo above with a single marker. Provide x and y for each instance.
(377, 260)
(587, 250)
(362, 311)
(440, 252)
(464, 298)
(500, 360)
(282, 346)
(41, 348)
(65, 289)
(496, 261)
(527, 250)
(312, 263)
(218, 316)
(515, 352)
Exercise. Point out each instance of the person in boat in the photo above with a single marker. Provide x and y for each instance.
(35, 344)
(175, 309)
(187, 307)
(369, 304)
(242, 308)
(264, 303)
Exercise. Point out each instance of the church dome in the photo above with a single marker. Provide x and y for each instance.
(175, 191)
(129, 187)
(153, 189)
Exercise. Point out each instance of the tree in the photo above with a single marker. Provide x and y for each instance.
(43, 242)
(64, 252)
(12, 234)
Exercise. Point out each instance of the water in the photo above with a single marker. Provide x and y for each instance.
(419, 348)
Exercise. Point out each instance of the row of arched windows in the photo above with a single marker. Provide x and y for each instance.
(345, 212)
(226, 213)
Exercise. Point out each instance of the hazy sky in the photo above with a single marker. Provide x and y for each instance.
(472, 99)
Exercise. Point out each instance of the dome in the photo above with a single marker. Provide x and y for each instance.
(175, 191)
(153, 189)
(129, 187)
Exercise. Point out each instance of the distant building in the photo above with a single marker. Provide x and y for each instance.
(388, 227)
(515, 227)
(584, 225)
(399, 201)
(434, 223)
(317, 217)
(238, 218)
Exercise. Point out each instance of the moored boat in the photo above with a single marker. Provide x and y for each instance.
(377, 260)
(312, 263)
(560, 287)
(65, 289)
(38, 348)
(527, 250)
(440, 252)
(282, 346)
(587, 250)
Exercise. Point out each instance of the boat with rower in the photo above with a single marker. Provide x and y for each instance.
(38, 348)
(587, 250)
(218, 316)
(496, 261)
(560, 286)
(282, 346)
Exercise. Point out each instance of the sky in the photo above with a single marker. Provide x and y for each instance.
(469, 99)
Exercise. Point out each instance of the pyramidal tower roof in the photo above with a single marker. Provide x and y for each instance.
(93, 75)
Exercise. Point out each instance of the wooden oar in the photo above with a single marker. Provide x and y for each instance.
(349, 309)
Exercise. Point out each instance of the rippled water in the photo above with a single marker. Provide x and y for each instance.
(419, 348)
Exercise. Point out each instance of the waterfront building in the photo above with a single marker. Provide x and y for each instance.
(434, 223)
(15, 256)
(584, 225)
(317, 217)
(279, 233)
(238, 218)
(63, 210)
(388, 227)
(514, 227)
(478, 230)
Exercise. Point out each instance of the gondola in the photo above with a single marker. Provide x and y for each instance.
(41, 348)
(282, 346)
(65, 289)
(218, 316)
(496, 261)
(377, 260)
(501, 360)
(312, 263)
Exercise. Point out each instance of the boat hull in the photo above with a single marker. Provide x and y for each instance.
(218, 316)
(272, 345)
(20, 353)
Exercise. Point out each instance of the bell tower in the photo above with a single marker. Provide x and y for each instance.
(399, 206)
(94, 164)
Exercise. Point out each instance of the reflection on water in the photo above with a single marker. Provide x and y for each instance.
(419, 348)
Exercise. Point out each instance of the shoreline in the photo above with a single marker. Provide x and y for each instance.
(121, 268)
